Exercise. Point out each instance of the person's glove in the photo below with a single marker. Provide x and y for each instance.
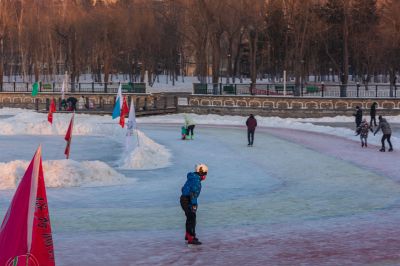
(194, 208)
(374, 134)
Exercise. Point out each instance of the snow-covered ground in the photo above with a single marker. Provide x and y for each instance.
(302, 195)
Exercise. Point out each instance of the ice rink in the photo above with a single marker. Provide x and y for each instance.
(295, 198)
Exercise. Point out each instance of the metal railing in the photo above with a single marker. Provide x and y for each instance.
(306, 90)
(78, 87)
(158, 104)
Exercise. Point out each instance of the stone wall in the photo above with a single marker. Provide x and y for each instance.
(216, 104)
(286, 106)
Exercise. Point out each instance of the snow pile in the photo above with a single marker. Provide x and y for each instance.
(27, 122)
(63, 173)
(145, 156)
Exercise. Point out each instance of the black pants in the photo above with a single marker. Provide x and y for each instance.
(250, 136)
(387, 137)
(190, 216)
(190, 130)
(372, 119)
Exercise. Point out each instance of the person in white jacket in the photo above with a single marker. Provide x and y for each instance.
(189, 124)
(81, 102)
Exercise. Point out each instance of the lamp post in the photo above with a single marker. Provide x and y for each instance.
(302, 77)
(229, 68)
(330, 75)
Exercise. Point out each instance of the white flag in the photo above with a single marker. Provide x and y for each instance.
(119, 95)
(131, 120)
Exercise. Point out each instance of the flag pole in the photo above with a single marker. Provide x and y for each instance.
(27, 259)
(137, 136)
(68, 136)
(72, 129)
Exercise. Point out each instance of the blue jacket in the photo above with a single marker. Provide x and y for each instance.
(192, 187)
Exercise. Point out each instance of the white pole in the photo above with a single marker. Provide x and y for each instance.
(284, 82)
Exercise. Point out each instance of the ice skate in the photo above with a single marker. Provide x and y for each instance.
(194, 241)
(391, 149)
(382, 150)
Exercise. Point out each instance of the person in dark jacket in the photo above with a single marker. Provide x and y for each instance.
(363, 131)
(251, 124)
(190, 192)
(372, 113)
(358, 115)
(387, 133)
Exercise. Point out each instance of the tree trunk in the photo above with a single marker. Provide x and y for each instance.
(74, 63)
(392, 78)
(237, 57)
(253, 60)
(345, 64)
(1, 63)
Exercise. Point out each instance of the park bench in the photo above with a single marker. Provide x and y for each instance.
(133, 87)
(312, 89)
(199, 88)
(289, 89)
(229, 89)
(46, 87)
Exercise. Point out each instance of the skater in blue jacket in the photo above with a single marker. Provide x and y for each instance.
(190, 193)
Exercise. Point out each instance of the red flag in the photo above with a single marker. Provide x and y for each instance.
(124, 112)
(25, 234)
(52, 109)
(68, 137)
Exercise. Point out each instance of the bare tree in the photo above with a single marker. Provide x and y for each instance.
(5, 21)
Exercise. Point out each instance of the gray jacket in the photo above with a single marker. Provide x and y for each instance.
(384, 125)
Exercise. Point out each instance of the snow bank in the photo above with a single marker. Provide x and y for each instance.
(289, 123)
(150, 155)
(147, 155)
(63, 173)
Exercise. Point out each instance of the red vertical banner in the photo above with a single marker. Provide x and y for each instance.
(42, 240)
(25, 234)
(68, 137)
(124, 112)
(52, 109)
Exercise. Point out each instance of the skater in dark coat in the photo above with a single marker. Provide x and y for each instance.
(363, 131)
(387, 133)
(372, 113)
(190, 192)
(358, 115)
(251, 124)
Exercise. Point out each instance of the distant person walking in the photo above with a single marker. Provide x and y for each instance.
(251, 124)
(358, 115)
(387, 133)
(189, 124)
(81, 102)
(372, 113)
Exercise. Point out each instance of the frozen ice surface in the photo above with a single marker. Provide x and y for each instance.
(294, 198)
